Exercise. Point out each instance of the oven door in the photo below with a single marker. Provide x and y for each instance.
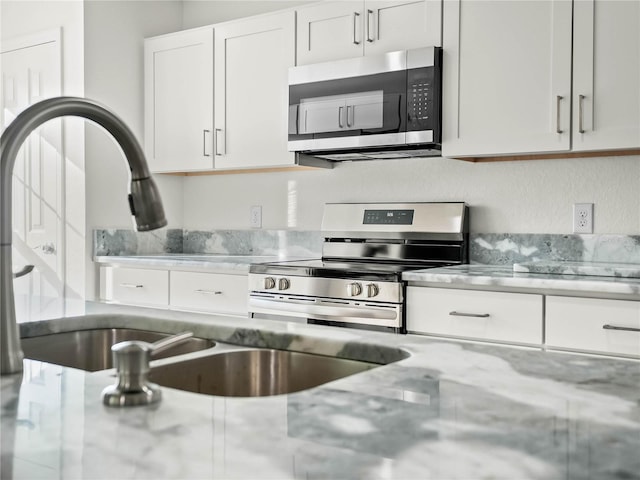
(331, 310)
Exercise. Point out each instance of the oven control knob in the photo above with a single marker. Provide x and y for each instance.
(283, 284)
(354, 289)
(269, 283)
(372, 290)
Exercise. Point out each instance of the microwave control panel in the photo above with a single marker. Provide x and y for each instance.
(421, 95)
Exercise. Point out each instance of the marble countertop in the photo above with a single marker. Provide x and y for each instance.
(232, 264)
(504, 276)
(600, 269)
(451, 410)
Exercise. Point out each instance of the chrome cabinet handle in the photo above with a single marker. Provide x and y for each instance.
(349, 109)
(369, 16)
(355, 20)
(131, 285)
(208, 292)
(475, 315)
(625, 329)
(217, 152)
(340, 109)
(558, 100)
(581, 113)
(204, 143)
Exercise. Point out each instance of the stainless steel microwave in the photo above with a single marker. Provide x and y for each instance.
(386, 106)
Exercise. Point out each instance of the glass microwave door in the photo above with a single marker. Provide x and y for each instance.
(356, 106)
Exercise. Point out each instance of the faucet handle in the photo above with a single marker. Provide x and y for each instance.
(132, 359)
(23, 271)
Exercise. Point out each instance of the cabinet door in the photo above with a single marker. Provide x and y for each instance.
(493, 316)
(179, 101)
(593, 325)
(252, 60)
(330, 31)
(134, 286)
(507, 77)
(210, 292)
(391, 25)
(606, 74)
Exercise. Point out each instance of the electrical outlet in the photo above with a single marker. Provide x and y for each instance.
(255, 216)
(583, 218)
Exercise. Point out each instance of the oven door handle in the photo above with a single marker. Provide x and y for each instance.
(328, 312)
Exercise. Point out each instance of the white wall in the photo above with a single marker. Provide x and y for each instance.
(114, 75)
(506, 197)
(24, 17)
(197, 13)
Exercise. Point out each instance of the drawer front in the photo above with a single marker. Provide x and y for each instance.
(493, 316)
(134, 286)
(209, 292)
(592, 325)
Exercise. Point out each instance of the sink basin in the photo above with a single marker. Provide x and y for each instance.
(255, 373)
(91, 349)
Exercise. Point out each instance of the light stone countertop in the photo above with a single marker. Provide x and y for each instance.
(599, 269)
(229, 264)
(499, 276)
(451, 410)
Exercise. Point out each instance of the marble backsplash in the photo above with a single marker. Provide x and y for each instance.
(219, 242)
(484, 248)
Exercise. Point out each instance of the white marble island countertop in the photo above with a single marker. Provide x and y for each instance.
(450, 410)
(504, 276)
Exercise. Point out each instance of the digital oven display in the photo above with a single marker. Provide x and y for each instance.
(388, 217)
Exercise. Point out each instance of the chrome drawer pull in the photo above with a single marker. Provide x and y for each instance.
(558, 100)
(626, 329)
(131, 285)
(209, 292)
(475, 315)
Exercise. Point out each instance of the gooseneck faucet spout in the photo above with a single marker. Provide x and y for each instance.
(144, 199)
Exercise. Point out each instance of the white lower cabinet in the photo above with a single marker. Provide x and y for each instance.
(178, 290)
(593, 325)
(134, 286)
(209, 292)
(492, 316)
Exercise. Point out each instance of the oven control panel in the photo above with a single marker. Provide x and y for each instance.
(348, 289)
(388, 217)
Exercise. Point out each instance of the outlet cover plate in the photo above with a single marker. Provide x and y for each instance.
(583, 218)
(255, 216)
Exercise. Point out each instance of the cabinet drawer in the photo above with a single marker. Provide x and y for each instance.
(586, 324)
(209, 292)
(135, 286)
(494, 316)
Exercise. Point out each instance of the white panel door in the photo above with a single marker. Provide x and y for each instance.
(391, 25)
(606, 74)
(31, 73)
(330, 31)
(507, 77)
(179, 101)
(252, 60)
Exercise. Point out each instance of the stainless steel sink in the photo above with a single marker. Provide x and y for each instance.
(255, 373)
(91, 349)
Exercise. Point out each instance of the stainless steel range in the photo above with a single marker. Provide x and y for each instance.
(358, 280)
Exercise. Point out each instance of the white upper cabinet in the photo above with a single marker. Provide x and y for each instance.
(252, 59)
(511, 85)
(337, 30)
(179, 101)
(606, 75)
(506, 77)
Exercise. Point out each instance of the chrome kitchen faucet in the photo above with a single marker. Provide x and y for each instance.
(144, 198)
